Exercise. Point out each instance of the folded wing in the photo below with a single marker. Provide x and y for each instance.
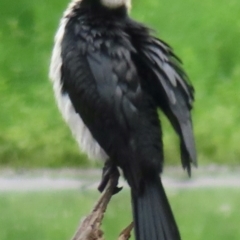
(164, 78)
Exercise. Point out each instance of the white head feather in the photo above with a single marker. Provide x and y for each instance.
(116, 3)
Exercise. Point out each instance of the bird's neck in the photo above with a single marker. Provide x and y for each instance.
(109, 4)
(98, 8)
(113, 4)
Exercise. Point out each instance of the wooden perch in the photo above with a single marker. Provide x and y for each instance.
(126, 233)
(89, 228)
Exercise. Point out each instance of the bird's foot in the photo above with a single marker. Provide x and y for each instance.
(109, 170)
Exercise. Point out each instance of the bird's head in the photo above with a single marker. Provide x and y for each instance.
(110, 4)
(116, 3)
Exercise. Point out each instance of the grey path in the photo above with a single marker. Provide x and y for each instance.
(67, 179)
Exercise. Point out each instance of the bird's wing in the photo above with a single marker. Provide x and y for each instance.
(163, 77)
(97, 90)
(117, 85)
(105, 90)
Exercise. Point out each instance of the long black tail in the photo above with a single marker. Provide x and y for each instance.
(153, 218)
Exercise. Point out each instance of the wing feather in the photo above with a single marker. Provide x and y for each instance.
(163, 76)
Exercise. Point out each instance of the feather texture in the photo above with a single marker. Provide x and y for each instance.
(110, 76)
(164, 78)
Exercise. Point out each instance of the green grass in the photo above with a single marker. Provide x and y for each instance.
(205, 34)
(201, 214)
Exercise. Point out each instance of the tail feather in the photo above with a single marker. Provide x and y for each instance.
(153, 217)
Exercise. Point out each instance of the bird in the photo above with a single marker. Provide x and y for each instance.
(111, 75)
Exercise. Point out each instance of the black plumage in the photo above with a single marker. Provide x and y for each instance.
(117, 75)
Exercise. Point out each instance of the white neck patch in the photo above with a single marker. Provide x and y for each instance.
(116, 3)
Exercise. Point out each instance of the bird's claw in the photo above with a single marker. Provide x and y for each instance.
(90, 227)
(109, 170)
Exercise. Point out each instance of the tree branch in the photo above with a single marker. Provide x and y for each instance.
(89, 228)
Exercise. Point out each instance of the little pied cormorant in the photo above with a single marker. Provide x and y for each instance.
(110, 75)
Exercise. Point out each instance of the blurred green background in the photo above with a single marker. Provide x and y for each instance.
(205, 34)
(201, 214)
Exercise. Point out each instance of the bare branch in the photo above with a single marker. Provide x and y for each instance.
(89, 228)
(126, 233)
